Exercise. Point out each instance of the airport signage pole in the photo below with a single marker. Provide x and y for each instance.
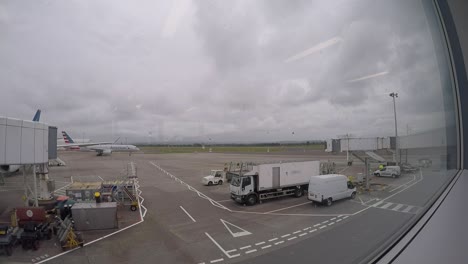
(393, 95)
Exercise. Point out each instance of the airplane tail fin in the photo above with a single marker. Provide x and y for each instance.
(37, 116)
(67, 138)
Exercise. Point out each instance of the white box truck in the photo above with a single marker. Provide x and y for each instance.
(268, 181)
(329, 188)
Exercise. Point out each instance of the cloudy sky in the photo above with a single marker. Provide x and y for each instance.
(205, 70)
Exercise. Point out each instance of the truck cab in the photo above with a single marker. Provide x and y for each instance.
(215, 177)
(242, 189)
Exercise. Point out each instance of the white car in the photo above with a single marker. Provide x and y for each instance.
(216, 177)
(389, 171)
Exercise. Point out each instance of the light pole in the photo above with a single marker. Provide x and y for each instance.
(394, 95)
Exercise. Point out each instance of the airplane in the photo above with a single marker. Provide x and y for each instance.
(15, 168)
(108, 149)
(102, 148)
(68, 140)
(71, 144)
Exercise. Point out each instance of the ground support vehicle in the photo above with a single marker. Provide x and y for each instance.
(267, 181)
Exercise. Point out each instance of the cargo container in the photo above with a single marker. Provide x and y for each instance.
(94, 216)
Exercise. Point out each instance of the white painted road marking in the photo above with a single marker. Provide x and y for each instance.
(298, 231)
(281, 209)
(232, 250)
(322, 227)
(332, 223)
(291, 238)
(273, 239)
(387, 205)
(313, 230)
(317, 225)
(279, 242)
(408, 209)
(397, 207)
(376, 204)
(260, 243)
(266, 246)
(235, 234)
(216, 260)
(187, 214)
(220, 248)
(285, 235)
(303, 234)
(245, 247)
(250, 251)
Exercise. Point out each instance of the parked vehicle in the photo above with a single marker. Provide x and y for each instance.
(268, 181)
(389, 171)
(216, 177)
(326, 189)
(425, 163)
(406, 167)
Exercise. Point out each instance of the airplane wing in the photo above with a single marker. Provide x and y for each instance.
(82, 144)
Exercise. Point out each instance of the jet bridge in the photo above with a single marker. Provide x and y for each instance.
(25, 144)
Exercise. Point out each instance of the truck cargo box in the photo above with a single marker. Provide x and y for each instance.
(282, 175)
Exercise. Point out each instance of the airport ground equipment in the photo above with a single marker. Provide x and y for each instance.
(8, 238)
(66, 235)
(216, 177)
(327, 167)
(267, 181)
(120, 191)
(94, 216)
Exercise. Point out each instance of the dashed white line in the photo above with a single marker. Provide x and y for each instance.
(324, 222)
(250, 251)
(303, 234)
(234, 256)
(216, 260)
(242, 248)
(333, 218)
(339, 220)
(260, 243)
(279, 242)
(305, 229)
(322, 227)
(298, 231)
(291, 238)
(273, 239)
(332, 223)
(345, 217)
(313, 230)
(201, 263)
(232, 250)
(285, 235)
(267, 246)
(317, 225)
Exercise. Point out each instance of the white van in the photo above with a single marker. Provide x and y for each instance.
(389, 171)
(328, 188)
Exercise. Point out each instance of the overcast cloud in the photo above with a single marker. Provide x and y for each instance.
(185, 70)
